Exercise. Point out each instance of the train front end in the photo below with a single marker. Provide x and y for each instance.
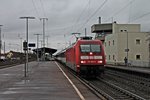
(91, 59)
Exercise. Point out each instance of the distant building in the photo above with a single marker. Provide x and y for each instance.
(124, 40)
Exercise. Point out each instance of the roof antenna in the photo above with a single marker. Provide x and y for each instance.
(99, 20)
(85, 32)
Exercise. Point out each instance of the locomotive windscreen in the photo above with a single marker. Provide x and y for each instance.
(90, 48)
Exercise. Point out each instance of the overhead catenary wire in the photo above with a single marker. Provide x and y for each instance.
(98, 9)
(124, 7)
(80, 15)
(42, 8)
(120, 10)
(42, 5)
(137, 18)
(89, 3)
(36, 11)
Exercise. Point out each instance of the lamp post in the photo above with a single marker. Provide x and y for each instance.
(37, 46)
(148, 39)
(127, 49)
(26, 64)
(47, 40)
(149, 52)
(41, 41)
(0, 41)
(43, 19)
(21, 44)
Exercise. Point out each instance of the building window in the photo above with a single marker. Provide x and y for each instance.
(138, 41)
(138, 57)
(109, 43)
(109, 57)
(113, 42)
(113, 57)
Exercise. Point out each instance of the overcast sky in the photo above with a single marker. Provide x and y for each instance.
(66, 17)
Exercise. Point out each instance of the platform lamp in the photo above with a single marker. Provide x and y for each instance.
(127, 49)
(37, 50)
(26, 64)
(0, 41)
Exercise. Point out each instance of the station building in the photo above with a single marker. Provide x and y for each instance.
(124, 40)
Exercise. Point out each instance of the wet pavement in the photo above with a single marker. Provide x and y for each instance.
(44, 81)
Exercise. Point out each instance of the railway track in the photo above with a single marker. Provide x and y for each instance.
(135, 84)
(91, 87)
(114, 91)
(106, 90)
(6, 66)
(109, 91)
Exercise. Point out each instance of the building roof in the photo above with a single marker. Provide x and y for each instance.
(107, 27)
(47, 50)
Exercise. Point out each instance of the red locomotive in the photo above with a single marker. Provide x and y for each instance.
(86, 57)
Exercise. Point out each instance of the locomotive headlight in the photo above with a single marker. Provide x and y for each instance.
(98, 57)
(83, 62)
(78, 66)
(100, 62)
(91, 53)
(84, 57)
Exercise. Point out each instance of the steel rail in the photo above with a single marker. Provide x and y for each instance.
(100, 94)
(126, 92)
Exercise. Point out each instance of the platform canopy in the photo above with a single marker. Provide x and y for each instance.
(47, 50)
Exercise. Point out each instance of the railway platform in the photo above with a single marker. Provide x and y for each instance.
(44, 81)
(145, 70)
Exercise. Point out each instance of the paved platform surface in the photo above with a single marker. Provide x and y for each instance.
(131, 68)
(44, 82)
